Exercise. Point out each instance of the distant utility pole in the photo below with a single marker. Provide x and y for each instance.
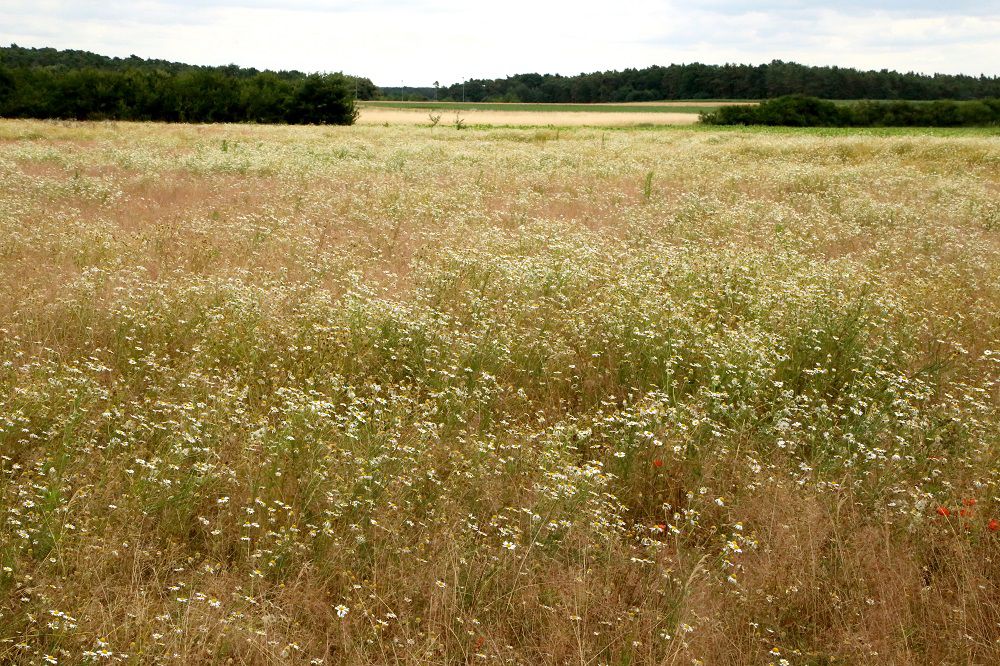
(402, 90)
(463, 90)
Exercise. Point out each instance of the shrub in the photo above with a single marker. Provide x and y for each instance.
(803, 111)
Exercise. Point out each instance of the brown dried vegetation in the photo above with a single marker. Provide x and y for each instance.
(414, 395)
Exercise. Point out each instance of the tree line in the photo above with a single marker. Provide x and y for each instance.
(71, 84)
(699, 81)
(48, 83)
(804, 111)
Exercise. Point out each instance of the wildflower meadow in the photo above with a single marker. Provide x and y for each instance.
(371, 395)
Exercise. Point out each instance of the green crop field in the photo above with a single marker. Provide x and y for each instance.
(433, 395)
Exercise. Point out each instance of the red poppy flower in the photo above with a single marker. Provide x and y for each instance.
(969, 502)
(943, 511)
(657, 463)
(965, 513)
(994, 525)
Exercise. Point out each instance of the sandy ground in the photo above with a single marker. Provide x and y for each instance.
(378, 116)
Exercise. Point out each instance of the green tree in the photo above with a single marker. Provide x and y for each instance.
(323, 99)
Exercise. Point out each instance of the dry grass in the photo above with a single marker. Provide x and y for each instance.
(412, 395)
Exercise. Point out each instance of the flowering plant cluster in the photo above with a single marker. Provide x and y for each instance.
(380, 394)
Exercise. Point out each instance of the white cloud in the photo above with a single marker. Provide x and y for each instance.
(419, 41)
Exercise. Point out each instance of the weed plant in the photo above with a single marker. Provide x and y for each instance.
(392, 395)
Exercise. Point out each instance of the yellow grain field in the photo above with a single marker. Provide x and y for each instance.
(374, 115)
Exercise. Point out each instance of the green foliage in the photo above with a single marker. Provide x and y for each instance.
(364, 88)
(802, 111)
(6, 84)
(44, 83)
(699, 81)
(319, 99)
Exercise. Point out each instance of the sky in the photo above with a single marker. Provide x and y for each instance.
(417, 42)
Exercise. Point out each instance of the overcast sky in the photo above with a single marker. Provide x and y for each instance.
(420, 41)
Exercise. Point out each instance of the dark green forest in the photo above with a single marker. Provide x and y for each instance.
(804, 111)
(698, 81)
(48, 83)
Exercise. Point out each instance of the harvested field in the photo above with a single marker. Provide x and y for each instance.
(597, 107)
(378, 115)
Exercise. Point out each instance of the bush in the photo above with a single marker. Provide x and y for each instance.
(803, 111)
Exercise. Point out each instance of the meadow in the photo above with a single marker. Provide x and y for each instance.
(369, 395)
